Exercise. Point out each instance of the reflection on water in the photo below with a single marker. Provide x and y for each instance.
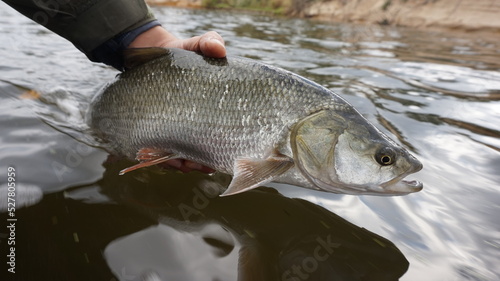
(267, 236)
(154, 228)
(435, 93)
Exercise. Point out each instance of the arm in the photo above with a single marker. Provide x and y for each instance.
(102, 29)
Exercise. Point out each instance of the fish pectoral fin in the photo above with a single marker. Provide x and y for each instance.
(250, 173)
(149, 157)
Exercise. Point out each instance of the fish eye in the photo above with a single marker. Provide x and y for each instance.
(385, 156)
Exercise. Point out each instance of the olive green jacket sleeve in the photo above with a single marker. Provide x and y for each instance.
(86, 23)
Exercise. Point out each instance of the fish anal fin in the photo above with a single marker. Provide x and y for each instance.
(250, 173)
(149, 157)
(136, 56)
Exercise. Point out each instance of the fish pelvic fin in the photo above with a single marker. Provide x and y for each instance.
(250, 173)
(149, 157)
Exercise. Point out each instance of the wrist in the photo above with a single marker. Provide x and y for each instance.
(153, 37)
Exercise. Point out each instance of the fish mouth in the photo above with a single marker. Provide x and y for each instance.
(394, 187)
(400, 186)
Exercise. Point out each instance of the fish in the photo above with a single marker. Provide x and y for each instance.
(254, 121)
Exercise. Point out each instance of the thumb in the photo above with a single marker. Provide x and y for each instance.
(209, 44)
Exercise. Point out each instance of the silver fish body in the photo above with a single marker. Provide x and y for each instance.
(235, 115)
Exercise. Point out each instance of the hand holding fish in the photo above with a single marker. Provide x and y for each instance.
(209, 44)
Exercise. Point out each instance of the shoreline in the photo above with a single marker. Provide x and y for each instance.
(466, 15)
(461, 15)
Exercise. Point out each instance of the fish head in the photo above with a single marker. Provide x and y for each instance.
(340, 151)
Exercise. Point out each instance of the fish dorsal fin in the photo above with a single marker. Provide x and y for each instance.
(250, 173)
(149, 157)
(136, 56)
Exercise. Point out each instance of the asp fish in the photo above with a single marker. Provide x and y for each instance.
(256, 122)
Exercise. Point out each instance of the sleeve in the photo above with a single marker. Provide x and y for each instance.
(98, 28)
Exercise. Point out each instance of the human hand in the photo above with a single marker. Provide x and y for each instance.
(209, 44)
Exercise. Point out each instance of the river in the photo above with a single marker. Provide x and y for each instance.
(436, 93)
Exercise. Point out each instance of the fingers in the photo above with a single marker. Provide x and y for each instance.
(209, 44)
(212, 45)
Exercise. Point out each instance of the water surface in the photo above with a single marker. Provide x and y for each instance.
(436, 93)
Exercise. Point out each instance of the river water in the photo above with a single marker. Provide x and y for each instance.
(436, 93)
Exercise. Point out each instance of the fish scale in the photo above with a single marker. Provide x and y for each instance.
(225, 126)
(234, 115)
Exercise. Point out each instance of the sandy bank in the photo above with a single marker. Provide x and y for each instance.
(460, 14)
